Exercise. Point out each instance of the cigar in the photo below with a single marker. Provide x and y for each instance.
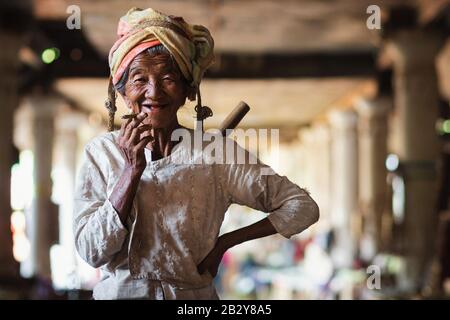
(130, 116)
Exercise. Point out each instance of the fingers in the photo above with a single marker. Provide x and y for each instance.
(131, 124)
(123, 126)
(136, 133)
(138, 119)
(202, 270)
(210, 263)
(204, 264)
(142, 143)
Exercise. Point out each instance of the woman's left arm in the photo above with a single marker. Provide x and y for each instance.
(257, 230)
(291, 209)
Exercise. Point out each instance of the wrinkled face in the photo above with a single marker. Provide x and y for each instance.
(155, 86)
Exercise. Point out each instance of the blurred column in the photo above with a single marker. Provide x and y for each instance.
(9, 65)
(372, 129)
(308, 142)
(66, 147)
(344, 184)
(323, 170)
(316, 140)
(416, 100)
(44, 219)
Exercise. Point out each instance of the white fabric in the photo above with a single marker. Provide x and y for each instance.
(175, 221)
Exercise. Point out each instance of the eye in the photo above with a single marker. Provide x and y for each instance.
(168, 79)
(139, 80)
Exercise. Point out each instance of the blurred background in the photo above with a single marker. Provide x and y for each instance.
(358, 89)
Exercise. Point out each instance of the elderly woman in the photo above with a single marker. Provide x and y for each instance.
(145, 213)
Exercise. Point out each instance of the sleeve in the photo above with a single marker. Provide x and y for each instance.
(291, 208)
(99, 233)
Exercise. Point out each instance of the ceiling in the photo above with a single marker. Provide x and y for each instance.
(250, 26)
(237, 25)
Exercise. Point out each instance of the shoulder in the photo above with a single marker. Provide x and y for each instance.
(103, 148)
(104, 141)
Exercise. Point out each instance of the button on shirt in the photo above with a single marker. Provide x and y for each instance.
(176, 216)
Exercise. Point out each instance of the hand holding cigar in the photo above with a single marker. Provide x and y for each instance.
(140, 124)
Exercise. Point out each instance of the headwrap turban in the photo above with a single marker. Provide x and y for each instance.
(190, 45)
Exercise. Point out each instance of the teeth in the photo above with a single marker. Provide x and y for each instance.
(152, 106)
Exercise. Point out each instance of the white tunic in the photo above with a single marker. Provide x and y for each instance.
(175, 221)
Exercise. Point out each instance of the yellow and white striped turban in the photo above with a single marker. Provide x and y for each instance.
(191, 45)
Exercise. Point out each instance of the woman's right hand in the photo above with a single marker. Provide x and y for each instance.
(133, 138)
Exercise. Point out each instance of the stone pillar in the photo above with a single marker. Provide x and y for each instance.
(44, 222)
(344, 184)
(372, 129)
(415, 141)
(8, 101)
(317, 172)
(309, 156)
(323, 169)
(66, 152)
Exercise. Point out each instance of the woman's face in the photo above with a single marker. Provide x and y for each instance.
(156, 87)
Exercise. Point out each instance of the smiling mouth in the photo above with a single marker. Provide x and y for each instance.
(152, 107)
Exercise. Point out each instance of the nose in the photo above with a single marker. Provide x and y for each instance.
(153, 90)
